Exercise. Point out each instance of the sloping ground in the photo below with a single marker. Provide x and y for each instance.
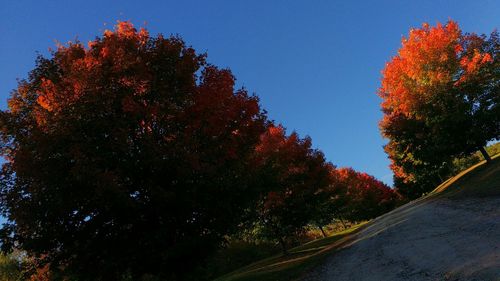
(452, 234)
(301, 259)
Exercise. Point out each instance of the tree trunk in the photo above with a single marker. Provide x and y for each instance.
(440, 177)
(283, 246)
(343, 223)
(322, 231)
(485, 154)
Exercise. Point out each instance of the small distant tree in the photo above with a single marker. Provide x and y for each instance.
(126, 158)
(361, 196)
(295, 177)
(440, 100)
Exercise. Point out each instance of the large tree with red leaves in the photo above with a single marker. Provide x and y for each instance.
(440, 99)
(294, 178)
(127, 158)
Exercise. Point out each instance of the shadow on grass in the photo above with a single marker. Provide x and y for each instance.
(299, 261)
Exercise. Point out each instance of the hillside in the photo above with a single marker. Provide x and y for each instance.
(451, 234)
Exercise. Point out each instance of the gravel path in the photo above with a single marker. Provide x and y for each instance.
(433, 239)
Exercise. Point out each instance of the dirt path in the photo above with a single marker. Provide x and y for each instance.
(433, 239)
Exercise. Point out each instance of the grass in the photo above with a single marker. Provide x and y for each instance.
(480, 180)
(292, 266)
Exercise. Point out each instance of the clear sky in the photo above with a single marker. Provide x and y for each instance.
(314, 64)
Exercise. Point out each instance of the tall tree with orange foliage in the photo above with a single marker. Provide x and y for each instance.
(440, 99)
(128, 158)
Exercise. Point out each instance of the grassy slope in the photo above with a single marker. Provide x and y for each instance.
(478, 181)
(300, 259)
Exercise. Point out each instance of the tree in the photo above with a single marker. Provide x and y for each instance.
(294, 177)
(440, 100)
(126, 157)
(361, 196)
(336, 201)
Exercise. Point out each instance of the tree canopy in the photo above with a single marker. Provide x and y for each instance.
(126, 157)
(440, 100)
(295, 178)
(361, 196)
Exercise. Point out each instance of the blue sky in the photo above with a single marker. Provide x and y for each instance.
(314, 64)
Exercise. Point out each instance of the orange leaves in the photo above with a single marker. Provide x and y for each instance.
(430, 59)
(104, 52)
(122, 29)
(125, 29)
(426, 60)
(458, 49)
(434, 92)
(471, 65)
(272, 139)
(44, 102)
(87, 71)
(430, 62)
(46, 94)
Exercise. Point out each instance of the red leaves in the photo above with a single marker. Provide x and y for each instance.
(125, 132)
(274, 200)
(363, 196)
(272, 140)
(129, 105)
(294, 177)
(227, 115)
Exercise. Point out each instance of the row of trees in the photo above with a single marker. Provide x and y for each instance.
(441, 96)
(301, 188)
(134, 158)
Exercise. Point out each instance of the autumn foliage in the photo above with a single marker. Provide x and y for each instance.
(132, 158)
(440, 100)
(295, 179)
(300, 188)
(363, 197)
(126, 157)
